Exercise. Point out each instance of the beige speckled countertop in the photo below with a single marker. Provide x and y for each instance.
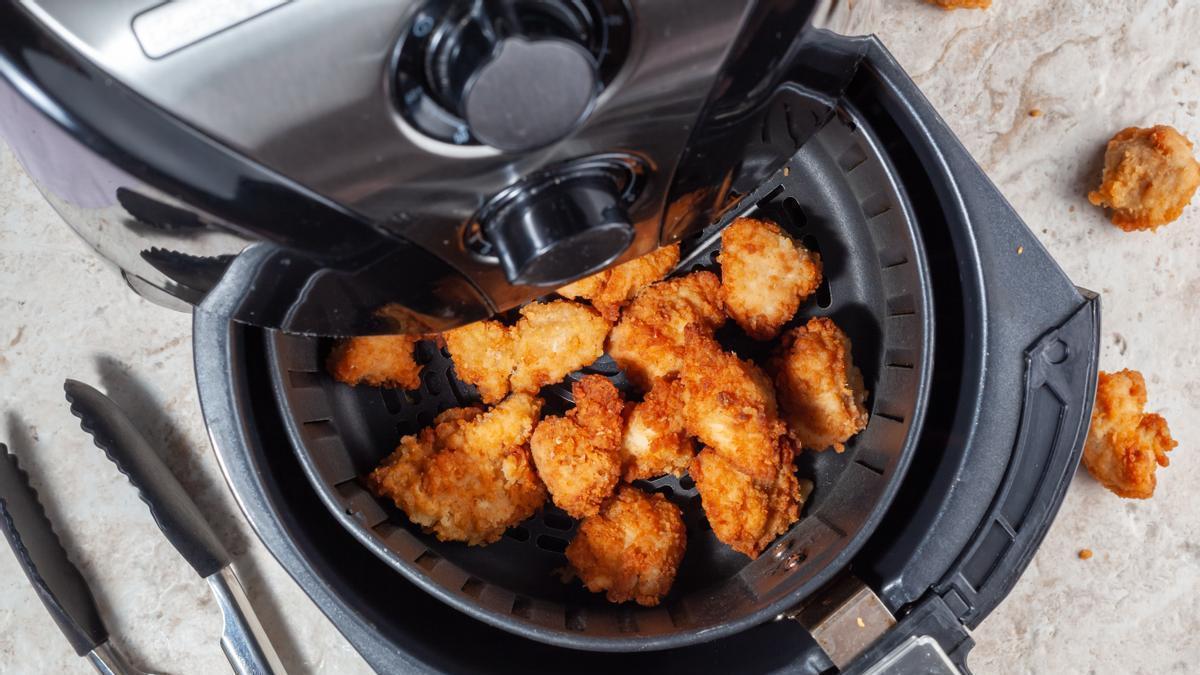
(1090, 66)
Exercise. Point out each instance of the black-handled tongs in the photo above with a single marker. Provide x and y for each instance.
(63, 589)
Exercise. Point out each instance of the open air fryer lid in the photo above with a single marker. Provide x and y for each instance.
(395, 172)
(1014, 352)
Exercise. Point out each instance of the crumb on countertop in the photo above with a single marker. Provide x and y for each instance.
(1035, 112)
(1085, 554)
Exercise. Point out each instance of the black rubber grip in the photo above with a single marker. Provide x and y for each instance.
(57, 581)
(173, 510)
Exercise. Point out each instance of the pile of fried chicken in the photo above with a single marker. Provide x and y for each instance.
(478, 470)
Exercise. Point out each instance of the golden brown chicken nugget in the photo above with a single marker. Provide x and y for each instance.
(729, 404)
(746, 514)
(612, 288)
(377, 361)
(961, 4)
(765, 276)
(553, 339)
(655, 440)
(631, 550)
(470, 476)
(1126, 445)
(550, 340)
(1149, 177)
(648, 342)
(578, 456)
(821, 391)
(484, 356)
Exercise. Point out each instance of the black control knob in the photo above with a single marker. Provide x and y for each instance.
(516, 92)
(559, 232)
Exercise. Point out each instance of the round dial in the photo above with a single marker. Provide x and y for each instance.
(512, 74)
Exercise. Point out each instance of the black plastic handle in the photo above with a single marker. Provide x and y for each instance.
(173, 510)
(58, 583)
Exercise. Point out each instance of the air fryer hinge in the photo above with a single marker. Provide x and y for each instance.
(929, 618)
(844, 618)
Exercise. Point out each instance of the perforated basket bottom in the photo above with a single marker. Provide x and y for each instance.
(838, 196)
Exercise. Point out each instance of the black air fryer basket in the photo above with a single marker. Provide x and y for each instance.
(978, 352)
(840, 196)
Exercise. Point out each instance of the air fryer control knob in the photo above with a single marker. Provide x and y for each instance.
(529, 93)
(559, 232)
(516, 92)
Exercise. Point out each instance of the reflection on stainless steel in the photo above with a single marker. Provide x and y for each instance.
(242, 636)
(288, 125)
(282, 87)
(108, 660)
(171, 26)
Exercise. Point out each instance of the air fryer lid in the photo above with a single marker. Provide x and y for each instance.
(838, 195)
(322, 181)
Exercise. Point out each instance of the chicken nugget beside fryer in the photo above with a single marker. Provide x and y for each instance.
(1126, 445)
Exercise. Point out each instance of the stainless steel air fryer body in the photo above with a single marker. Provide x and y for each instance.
(368, 165)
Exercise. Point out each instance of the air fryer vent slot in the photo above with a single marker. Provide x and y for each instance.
(838, 196)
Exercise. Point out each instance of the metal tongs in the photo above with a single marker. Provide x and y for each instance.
(63, 589)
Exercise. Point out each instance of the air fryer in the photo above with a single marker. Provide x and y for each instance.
(473, 156)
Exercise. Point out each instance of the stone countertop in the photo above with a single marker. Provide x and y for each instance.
(1090, 67)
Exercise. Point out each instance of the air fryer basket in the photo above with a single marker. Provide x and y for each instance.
(837, 194)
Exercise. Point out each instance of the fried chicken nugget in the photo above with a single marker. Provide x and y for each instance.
(746, 514)
(1150, 175)
(729, 404)
(553, 339)
(469, 476)
(631, 550)
(610, 289)
(578, 456)
(765, 276)
(377, 361)
(820, 389)
(483, 355)
(648, 342)
(961, 4)
(550, 340)
(655, 441)
(1125, 446)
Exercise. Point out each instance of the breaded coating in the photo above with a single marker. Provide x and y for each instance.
(765, 276)
(377, 361)
(648, 342)
(1149, 177)
(729, 404)
(550, 340)
(961, 4)
(578, 456)
(483, 355)
(469, 476)
(631, 549)
(610, 289)
(821, 391)
(655, 441)
(553, 339)
(1125, 445)
(745, 514)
